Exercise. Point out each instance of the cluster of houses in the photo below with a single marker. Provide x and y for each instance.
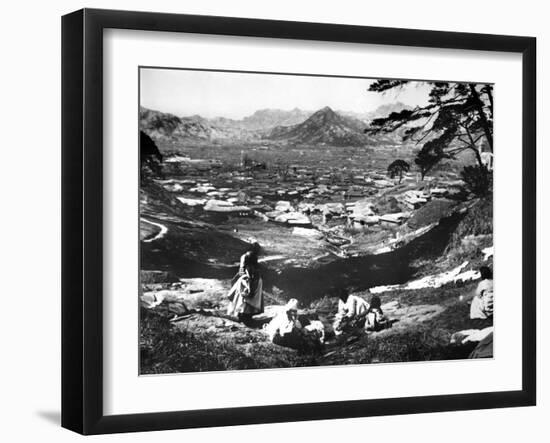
(303, 194)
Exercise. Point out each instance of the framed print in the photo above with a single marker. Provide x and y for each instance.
(271, 221)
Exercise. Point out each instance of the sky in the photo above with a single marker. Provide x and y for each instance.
(236, 95)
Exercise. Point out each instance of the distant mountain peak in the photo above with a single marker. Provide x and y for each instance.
(326, 114)
(324, 127)
(326, 110)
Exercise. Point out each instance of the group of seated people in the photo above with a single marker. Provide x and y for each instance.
(354, 314)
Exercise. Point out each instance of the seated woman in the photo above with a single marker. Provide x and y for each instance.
(285, 328)
(246, 295)
(482, 303)
(352, 312)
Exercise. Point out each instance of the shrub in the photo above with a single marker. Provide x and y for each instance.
(477, 179)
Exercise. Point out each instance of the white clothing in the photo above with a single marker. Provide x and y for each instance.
(354, 307)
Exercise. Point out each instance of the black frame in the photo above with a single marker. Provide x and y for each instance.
(82, 218)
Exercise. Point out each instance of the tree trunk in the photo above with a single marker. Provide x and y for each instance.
(484, 123)
(490, 96)
(473, 147)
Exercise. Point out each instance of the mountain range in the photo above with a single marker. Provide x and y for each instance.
(326, 126)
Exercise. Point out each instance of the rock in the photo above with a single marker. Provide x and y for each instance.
(151, 300)
(194, 293)
(471, 335)
(178, 308)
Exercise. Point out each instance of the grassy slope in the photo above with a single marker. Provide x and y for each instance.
(165, 349)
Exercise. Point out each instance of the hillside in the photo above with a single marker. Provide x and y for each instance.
(161, 125)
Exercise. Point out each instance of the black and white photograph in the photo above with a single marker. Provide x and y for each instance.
(290, 220)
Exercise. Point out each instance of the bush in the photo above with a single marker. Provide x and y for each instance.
(477, 179)
(478, 221)
(388, 205)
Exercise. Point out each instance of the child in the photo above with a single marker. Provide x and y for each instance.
(376, 320)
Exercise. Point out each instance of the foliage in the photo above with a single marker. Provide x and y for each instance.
(456, 118)
(149, 156)
(397, 168)
(387, 205)
(477, 179)
(431, 212)
(477, 221)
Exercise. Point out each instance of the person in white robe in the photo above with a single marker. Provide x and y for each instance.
(352, 312)
(285, 329)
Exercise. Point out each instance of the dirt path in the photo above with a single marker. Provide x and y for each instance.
(160, 234)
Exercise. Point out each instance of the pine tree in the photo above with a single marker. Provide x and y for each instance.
(397, 168)
(456, 118)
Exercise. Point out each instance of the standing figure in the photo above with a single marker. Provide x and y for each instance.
(482, 303)
(246, 294)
